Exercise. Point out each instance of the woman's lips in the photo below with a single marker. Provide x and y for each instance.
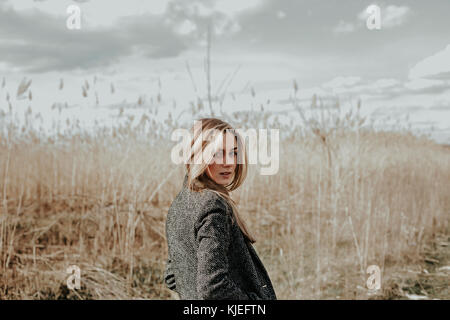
(225, 174)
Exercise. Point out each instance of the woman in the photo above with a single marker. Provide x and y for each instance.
(210, 252)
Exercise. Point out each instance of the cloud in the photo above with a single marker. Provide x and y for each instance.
(344, 27)
(394, 16)
(385, 88)
(281, 14)
(427, 86)
(386, 84)
(34, 41)
(186, 27)
(340, 82)
(222, 15)
(436, 66)
(95, 13)
(161, 31)
(234, 7)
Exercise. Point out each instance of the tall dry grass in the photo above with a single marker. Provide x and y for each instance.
(346, 197)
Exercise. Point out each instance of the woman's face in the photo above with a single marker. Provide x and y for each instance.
(222, 166)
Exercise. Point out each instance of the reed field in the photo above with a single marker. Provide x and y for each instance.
(347, 196)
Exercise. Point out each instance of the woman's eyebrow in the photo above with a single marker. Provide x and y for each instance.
(224, 149)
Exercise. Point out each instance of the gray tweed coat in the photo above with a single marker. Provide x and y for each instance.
(208, 256)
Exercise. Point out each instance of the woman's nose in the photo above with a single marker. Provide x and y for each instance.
(228, 160)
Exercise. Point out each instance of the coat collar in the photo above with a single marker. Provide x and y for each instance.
(185, 181)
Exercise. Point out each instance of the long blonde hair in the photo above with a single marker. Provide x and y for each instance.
(196, 172)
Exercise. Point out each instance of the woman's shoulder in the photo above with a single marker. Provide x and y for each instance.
(203, 198)
(206, 200)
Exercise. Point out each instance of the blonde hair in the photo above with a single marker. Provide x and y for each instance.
(197, 177)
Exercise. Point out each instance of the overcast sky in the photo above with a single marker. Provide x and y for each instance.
(140, 46)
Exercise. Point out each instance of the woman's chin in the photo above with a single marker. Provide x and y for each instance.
(224, 180)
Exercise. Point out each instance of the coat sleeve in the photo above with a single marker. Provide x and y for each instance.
(169, 277)
(213, 239)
